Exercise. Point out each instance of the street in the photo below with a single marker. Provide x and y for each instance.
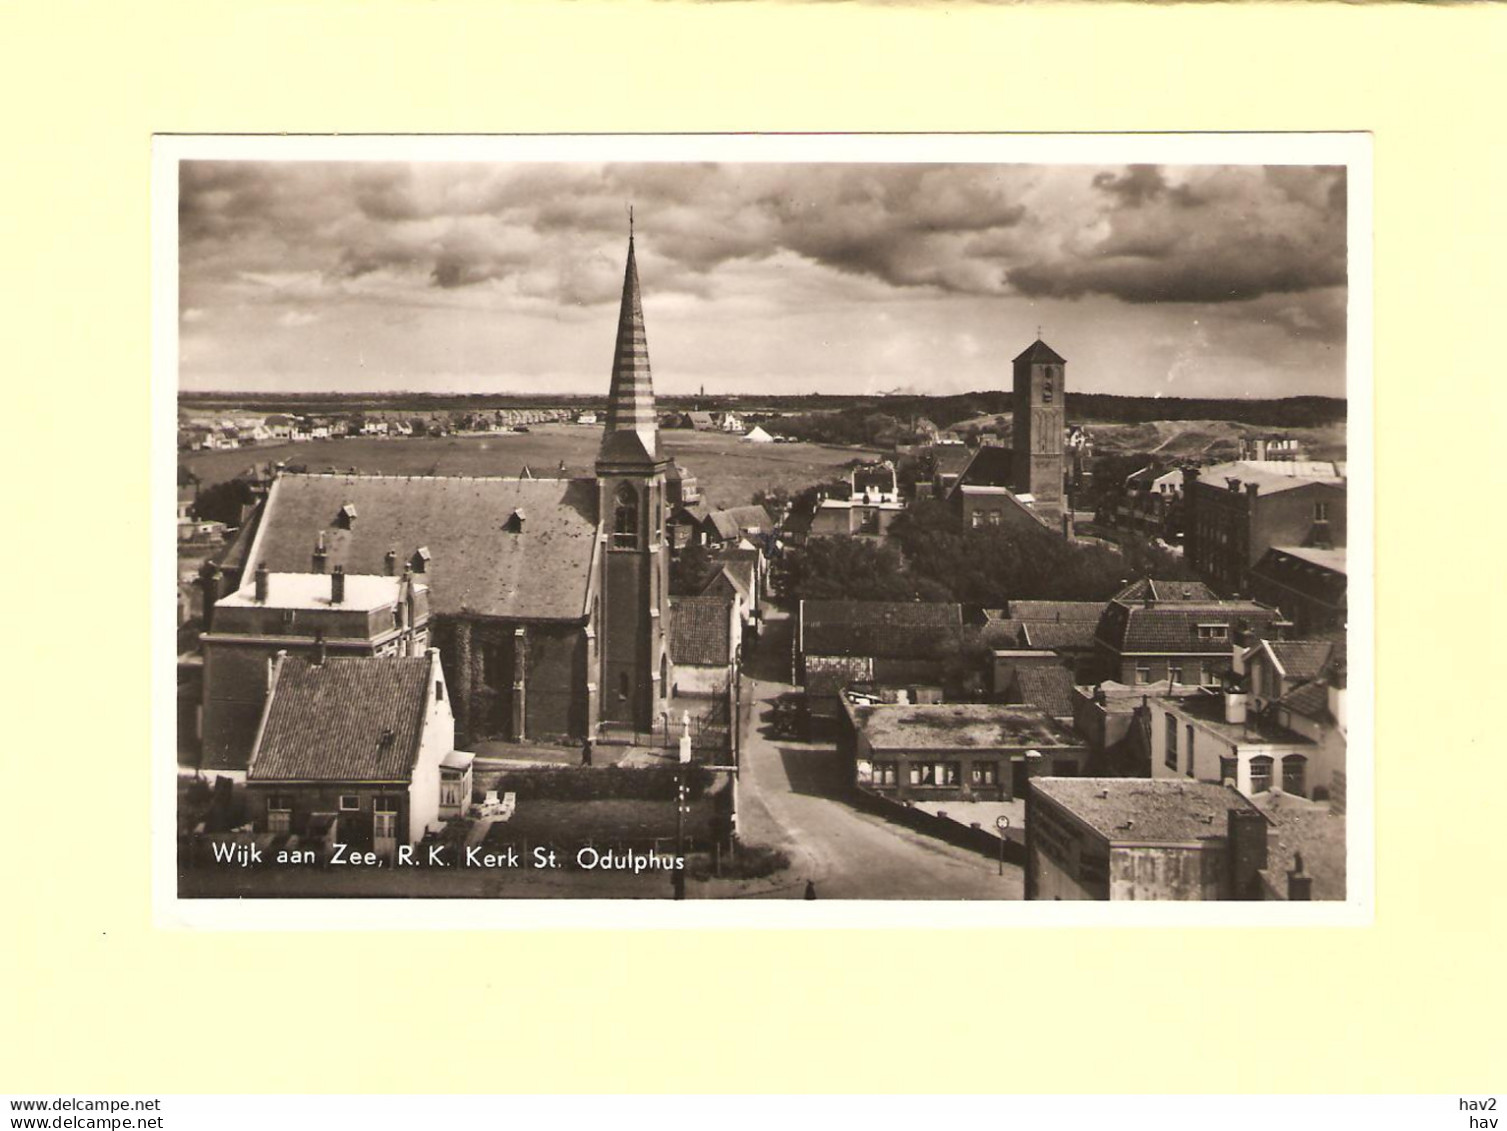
(791, 794)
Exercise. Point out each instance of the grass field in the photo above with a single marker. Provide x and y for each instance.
(728, 468)
(1211, 441)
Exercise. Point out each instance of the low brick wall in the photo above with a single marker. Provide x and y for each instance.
(979, 840)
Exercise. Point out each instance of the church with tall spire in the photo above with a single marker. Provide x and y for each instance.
(632, 508)
(548, 597)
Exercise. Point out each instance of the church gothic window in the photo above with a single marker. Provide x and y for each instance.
(625, 518)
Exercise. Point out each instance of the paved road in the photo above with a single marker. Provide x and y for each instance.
(790, 794)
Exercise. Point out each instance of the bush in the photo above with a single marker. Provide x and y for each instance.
(607, 783)
(749, 862)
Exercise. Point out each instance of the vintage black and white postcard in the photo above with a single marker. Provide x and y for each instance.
(641, 531)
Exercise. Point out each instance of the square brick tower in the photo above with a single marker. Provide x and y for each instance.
(1040, 426)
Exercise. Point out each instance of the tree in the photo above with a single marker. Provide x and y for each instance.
(852, 569)
(690, 570)
(224, 502)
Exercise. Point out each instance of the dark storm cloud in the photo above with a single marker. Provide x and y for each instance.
(1215, 236)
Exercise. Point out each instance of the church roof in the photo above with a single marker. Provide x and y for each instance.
(478, 567)
(630, 402)
(1040, 351)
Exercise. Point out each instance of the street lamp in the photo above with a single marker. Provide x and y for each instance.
(1002, 823)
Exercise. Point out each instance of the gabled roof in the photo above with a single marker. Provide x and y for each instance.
(989, 467)
(701, 631)
(1172, 627)
(950, 459)
(889, 629)
(728, 579)
(734, 521)
(1144, 587)
(541, 573)
(1057, 610)
(343, 720)
(1040, 351)
(1311, 700)
(1048, 686)
(1058, 635)
(1299, 659)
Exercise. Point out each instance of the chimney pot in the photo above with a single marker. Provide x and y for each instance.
(337, 585)
(390, 562)
(261, 582)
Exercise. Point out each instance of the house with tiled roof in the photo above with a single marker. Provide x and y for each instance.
(367, 745)
(1147, 588)
(735, 524)
(837, 643)
(704, 637)
(1130, 838)
(1150, 641)
(549, 596)
(1025, 677)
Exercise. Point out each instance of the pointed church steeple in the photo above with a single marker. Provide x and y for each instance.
(630, 402)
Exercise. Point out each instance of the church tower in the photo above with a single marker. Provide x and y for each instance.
(634, 582)
(1040, 426)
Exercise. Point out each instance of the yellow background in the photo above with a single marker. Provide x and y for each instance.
(96, 1000)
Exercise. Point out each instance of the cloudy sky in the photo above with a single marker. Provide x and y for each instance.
(357, 276)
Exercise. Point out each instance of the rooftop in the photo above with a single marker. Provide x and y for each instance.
(363, 592)
(1271, 476)
(1300, 659)
(1326, 559)
(1141, 810)
(343, 720)
(701, 631)
(960, 726)
(1161, 590)
(902, 629)
(1309, 828)
(540, 572)
(1257, 730)
(1172, 627)
(1057, 610)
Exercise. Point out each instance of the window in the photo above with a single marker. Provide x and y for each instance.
(279, 814)
(985, 773)
(1295, 774)
(949, 773)
(1174, 673)
(1321, 512)
(349, 802)
(1206, 675)
(919, 774)
(622, 687)
(977, 518)
(1142, 674)
(1229, 769)
(288, 617)
(994, 517)
(1261, 774)
(1213, 632)
(885, 773)
(385, 805)
(625, 518)
(439, 691)
(1171, 755)
(1189, 733)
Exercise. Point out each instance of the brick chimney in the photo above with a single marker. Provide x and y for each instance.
(1299, 882)
(320, 555)
(1245, 852)
(210, 581)
(390, 563)
(261, 583)
(337, 585)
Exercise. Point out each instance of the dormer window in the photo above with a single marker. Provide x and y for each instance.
(1213, 632)
(419, 563)
(514, 524)
(347, 516)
